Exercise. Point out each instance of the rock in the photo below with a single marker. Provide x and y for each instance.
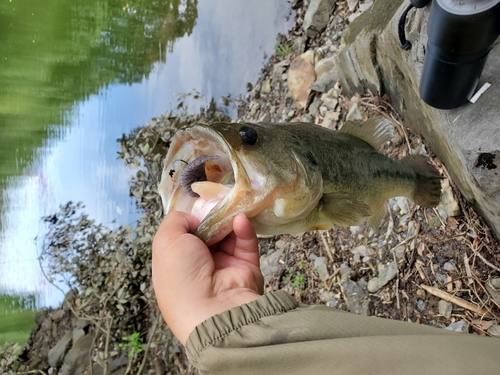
(321, 268)
(47, 324)
(345, 273)
(411, 229)
(279, 69)
(306, 118)
(314, 106)
(448, 203)
(57, 353)
(353, 295)
(266, 117)
(329, 101)
(266, 86)
(298, 45)
(494, 330)
(317, 16)
(300, 77)
(269, 263)
(403, 204)
(352, 4)
(493, 287)
(325, 66)
(40, 316)
(386, 272)
(333, 303)
(449, 267)
(82, 323)
(445, 308)
(116, 366)
(77, 357)
(421, 305)
(421, 294)
(297, 4)
(354, 111)
(460, 326)
(466, 139)
(400, 251)
(57, 315)
(326, 82)
(77, 334)
(326, 76)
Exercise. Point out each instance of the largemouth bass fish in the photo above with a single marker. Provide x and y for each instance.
(289, 178)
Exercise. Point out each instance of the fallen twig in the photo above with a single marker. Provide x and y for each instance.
(455, 300)
(327, 247)
(467, 269)
(148, 345)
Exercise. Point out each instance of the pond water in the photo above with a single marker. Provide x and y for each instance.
(75, 76)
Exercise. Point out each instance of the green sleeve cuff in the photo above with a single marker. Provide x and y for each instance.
(220, 325)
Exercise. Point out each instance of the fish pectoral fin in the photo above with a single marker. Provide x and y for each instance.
(378, 215)
(341, 209)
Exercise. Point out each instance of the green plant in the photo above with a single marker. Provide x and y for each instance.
(132, 344)
(283, 49)
(300, 279)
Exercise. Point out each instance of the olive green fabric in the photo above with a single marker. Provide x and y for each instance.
(276, 335)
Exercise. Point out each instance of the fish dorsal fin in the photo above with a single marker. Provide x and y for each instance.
(375, 131)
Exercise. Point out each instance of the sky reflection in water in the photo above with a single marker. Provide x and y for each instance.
(78, 160)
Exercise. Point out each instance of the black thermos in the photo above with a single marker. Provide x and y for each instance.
(461, 34)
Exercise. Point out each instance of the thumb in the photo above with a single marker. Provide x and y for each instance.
(246, 245)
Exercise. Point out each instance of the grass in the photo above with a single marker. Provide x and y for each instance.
(283, 49)
(16, 318)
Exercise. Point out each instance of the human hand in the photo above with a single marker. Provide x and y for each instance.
(193, 282)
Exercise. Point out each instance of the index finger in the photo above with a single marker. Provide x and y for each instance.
(175, 225)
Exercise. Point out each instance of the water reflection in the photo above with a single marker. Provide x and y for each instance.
(75, 76)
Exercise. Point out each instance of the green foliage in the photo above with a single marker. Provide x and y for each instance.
(131, 344)
(283, 49)
(56, 52)
(109, 270)
(299, 281)
(17, 317)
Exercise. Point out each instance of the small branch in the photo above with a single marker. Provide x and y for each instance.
(327, 247)
(468, 270)
(109, 322)
(153, 330)
(397, 280)
(455, 300)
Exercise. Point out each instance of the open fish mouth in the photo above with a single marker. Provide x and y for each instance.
(202, 174)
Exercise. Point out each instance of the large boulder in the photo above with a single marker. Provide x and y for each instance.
(467, 139)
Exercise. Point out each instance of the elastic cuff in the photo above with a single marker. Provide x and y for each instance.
(222, 324)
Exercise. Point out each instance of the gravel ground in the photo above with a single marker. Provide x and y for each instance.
(435, 266)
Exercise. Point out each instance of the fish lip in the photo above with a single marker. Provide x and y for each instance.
(172, 192)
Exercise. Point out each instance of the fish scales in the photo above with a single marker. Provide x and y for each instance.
(290, 178)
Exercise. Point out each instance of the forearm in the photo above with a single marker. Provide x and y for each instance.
(273, 335)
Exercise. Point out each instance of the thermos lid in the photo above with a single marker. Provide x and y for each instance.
(467, 7)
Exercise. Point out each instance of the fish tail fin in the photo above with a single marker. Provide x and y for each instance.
(427, 191)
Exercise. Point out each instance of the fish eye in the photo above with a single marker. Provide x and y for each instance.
(249, 135)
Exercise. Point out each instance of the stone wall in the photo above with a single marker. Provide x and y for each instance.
(467, 139)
